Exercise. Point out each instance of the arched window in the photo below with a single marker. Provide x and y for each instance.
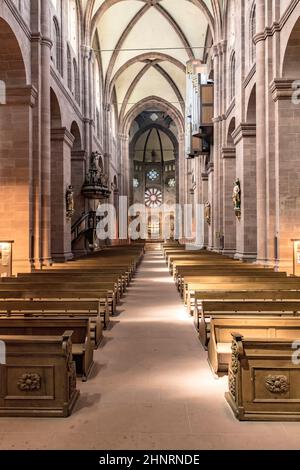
(232, 76)
(69, 61)
(252, 34)
(73, 25)
(56, 47)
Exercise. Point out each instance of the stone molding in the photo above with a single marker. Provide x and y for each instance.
(244, 131)
(64, 135)
(228, 153)
(276, 26)
(282, 89)
(79, 155)
(21, 95)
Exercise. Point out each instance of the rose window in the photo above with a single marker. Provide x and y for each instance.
(153, 175)
(153, 198)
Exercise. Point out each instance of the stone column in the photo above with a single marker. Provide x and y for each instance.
(46, 45)
(245, 142)
(261, 151)
(287, 197)
(87, 98)
(211, 229)
(15, 173)
(215, 227)
(229, 218)
(61, 144)
(78, 174)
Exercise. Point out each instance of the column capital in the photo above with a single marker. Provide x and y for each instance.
(282, 89)
(244, 131)
(45, 41)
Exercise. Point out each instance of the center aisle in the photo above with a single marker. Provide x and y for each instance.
(156, 388)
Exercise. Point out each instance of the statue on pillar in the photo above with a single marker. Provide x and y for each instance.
(236, 198)
(207, 212)
(70, 206)
(94, 161)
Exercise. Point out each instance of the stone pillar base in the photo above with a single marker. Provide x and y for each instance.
(229, 253)
(62, 257)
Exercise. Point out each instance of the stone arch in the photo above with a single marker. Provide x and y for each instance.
(291, 63)
(251, 107)
(61, 145)
(149, 103)
(12, 65)
(17, 100)
(231, 129)
(167, 131)
(75, 131)
(56, 120)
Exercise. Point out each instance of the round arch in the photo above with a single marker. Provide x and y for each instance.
(231, 129)
(291, 63)
(167, 131)
(75, 131)
(12, 72)
(251, 107)
(149, 103)
(55, 110)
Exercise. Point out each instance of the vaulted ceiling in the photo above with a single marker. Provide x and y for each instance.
(145, 45)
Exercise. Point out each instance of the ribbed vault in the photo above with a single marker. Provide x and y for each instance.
(144, 46)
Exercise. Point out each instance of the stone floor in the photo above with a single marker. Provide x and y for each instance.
(151, 387)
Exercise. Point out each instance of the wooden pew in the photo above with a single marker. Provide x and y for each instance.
(39, 378)
(240, 296)
(57, 308)
(41, 277)
(246, 308)
(264, 380)
(239, 285)
(221, 330)
(234, 275)
(105, 305)
(82, 349)
(100, 290)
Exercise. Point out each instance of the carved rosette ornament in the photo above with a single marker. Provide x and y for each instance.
(278, 384)
(30, 383)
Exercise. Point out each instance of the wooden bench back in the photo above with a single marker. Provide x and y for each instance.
(67, 306)
(80, 326)
(58, 295)
(255, 327)
(247, 295)
(209, 307)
